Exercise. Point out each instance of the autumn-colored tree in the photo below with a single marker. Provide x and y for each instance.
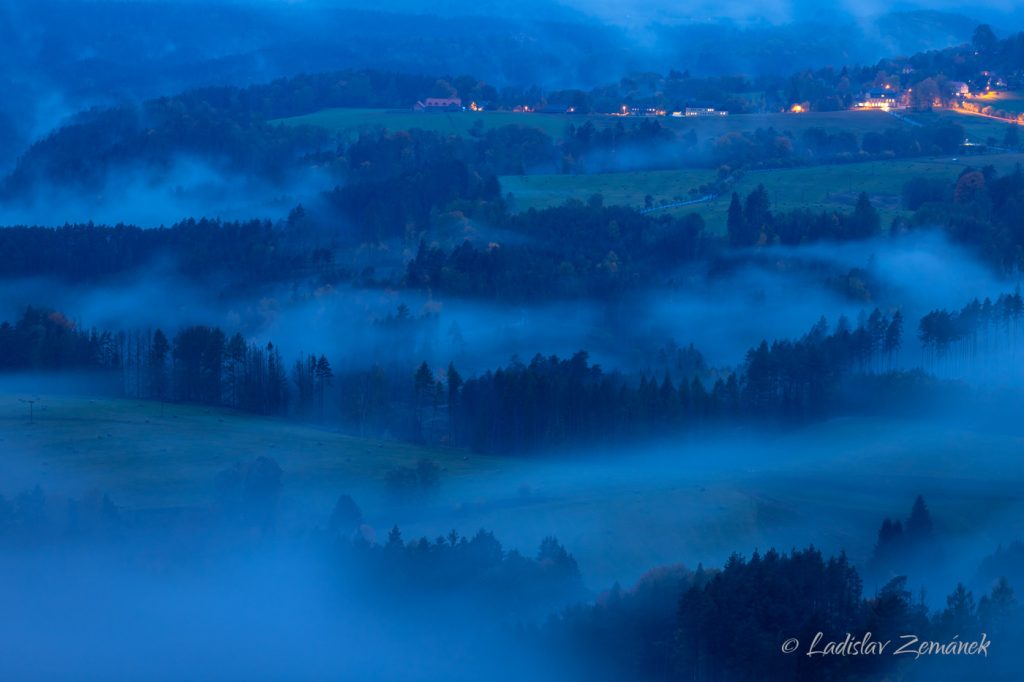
(969, 187)
(924, 94)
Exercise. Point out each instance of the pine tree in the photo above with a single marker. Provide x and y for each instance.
(394, 539)
(756, 216)
(157, 364)
(346, 515)
(996, 610)
(213, 366)
(235, 354)
(984, 38)
(893, 337)
(919, 526)
(423, 384)
(735, 223)
(276, 400)
(324, 379)
(960, 615)
(454, 386)
(865, 221)
(303, 375)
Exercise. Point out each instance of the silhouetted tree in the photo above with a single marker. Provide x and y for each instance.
(157, 360)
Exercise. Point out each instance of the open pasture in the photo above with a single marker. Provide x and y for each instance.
(823, 187)
(631, 508)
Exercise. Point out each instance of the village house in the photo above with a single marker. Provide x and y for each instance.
(959, 89)
(989, 82)
(646, 111)
(439, 104)
(704, 111)
(879, 98)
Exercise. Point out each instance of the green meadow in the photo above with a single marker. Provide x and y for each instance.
(705, 499)
(825, 187)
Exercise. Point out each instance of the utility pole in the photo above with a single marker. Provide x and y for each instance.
(31, 408)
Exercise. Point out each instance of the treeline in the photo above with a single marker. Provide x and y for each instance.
(587, 148)
(733, 624)
(401, 186)
(244, 510)
(228, 127)
(84, 154)
(549, 402)
(253, 252)
(478, 569)
(552, 402)
(399, 181)
(572, 251)
(416, 44)
(514, 149)
(47, 340)
(981, 209)
(981, 329)
(906, 547)
(420, 186)
(522, 407)
(730, 623)
(201, 365)
(234, 130)
(703, 624)
(751, 222)
(766, 147)
(568, 251)
(929, 77)
(928, 140)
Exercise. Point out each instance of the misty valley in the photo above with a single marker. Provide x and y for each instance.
(560, 341)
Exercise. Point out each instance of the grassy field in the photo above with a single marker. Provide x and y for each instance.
(350, 122)
(820, 187)
(152, 460)
(979, 129)
(620, 512)
(833, 187)
(1004, 101)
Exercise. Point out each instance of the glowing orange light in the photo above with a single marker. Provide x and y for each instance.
(797, 109)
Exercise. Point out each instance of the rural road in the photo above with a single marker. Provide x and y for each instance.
(677, 204)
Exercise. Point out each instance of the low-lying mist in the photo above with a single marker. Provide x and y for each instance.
(161, 590)
(772, 293)
(152, 197)
(269, 614)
